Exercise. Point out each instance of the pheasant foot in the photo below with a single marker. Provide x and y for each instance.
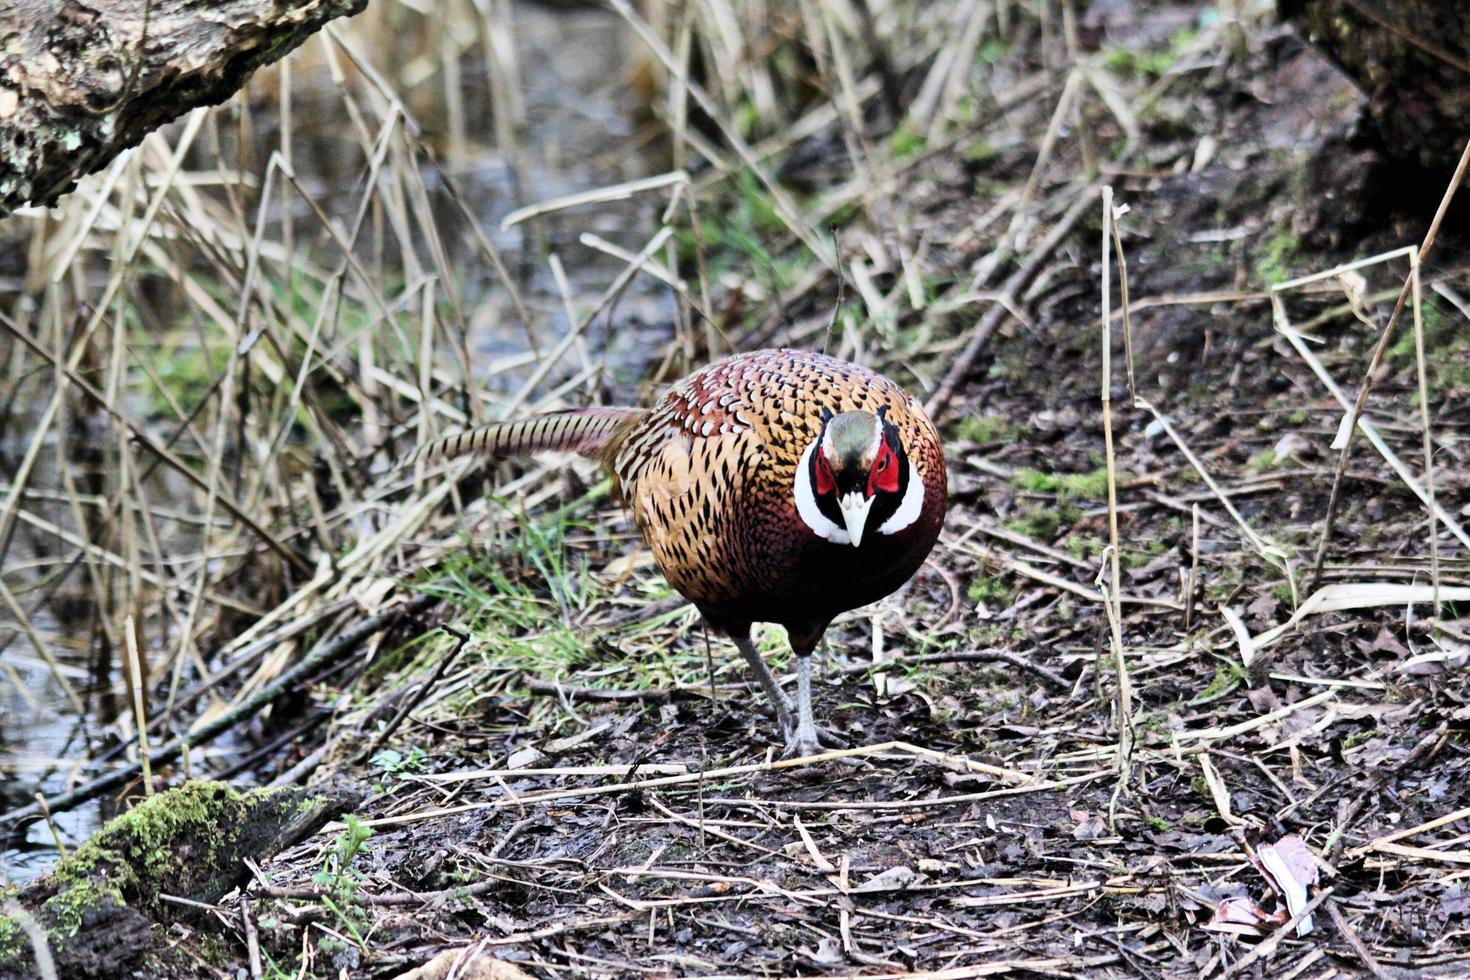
(811, 740)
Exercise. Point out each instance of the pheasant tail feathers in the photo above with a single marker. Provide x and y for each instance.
(587, 431)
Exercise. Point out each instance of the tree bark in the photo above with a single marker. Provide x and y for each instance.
(83, 80)
(1412, 60)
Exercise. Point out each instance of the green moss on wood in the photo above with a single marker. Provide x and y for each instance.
(189, 841)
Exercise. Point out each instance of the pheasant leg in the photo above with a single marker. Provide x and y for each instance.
(804, 740)
(808, 738)
(767, 682)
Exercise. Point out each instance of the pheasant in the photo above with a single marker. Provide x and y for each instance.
(777, 486)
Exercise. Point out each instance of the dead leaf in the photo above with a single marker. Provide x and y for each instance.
(827, 954)
(1263, 699)
(525, 758)
(466, 963)
(1263, 607)
(1291, 868)
(1289, 446)
(1090, 825)
(560, 745)
(931, 866)
(1234, 913)
(894, 879)
(1386, 642)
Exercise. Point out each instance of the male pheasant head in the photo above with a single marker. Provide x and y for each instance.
(855, 478)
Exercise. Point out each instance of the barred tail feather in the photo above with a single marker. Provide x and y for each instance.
(585, 430)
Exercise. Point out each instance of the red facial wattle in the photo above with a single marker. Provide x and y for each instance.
(826, 481)
(883, 477)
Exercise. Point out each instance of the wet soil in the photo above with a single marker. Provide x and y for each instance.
(984, 825)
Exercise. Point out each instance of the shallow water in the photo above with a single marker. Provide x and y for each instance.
(580, 121)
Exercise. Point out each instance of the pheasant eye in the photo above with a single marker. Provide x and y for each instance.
(884, 475)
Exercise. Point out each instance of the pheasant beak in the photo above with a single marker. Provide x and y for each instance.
(855, 507)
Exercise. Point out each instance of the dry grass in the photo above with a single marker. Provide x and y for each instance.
(221, 345)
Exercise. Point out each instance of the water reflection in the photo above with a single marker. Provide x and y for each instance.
(577, 125)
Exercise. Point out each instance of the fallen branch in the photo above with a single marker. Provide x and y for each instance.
(82, 81)
(186, 847)
(309, 665)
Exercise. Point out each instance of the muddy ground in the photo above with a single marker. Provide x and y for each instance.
(570, 797)
(658, 859)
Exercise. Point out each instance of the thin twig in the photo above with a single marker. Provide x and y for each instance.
(323, 655)
(461, 638)
(961, 657)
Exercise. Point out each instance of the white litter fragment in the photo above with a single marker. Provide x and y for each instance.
(1292, 869)
(1344, 428)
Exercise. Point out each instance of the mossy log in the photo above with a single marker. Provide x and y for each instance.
(1412, 60)
(83, 80)
(98, 909)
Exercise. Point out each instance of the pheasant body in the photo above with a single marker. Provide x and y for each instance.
(778, 486)
(709, 475)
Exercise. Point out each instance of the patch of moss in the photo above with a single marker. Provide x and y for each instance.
(979, 151)
(1445, 348)
(12, 936)
(1041, 523)
(187, 370)
(1067, 486)
(125, 862)
(906, 141)
(1083, 547)
(1261, 460)
(138, 848)
(989, 590)
(991, 50)
(68, 909)
(1138, 552)
(1151, 64)
(984, 428)
(1228, 676)
(169, 837)
(1276, 256)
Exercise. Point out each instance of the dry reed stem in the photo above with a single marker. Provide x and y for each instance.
(140, 711)
(1110, 577)
(1419, 372)
(1370, 431)
(784, 206)
(1020, 781)
(1272, 553)
(1356, 412)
